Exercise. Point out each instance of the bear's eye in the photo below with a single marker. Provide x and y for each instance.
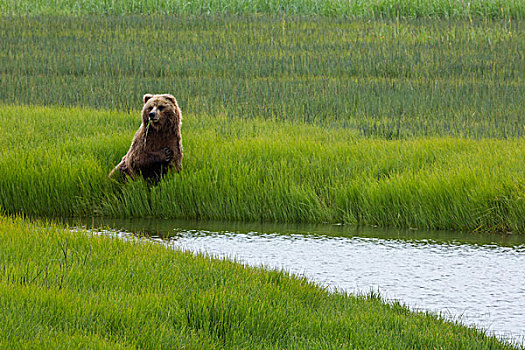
(160, 108)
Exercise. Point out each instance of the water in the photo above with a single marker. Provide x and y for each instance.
(477, 279)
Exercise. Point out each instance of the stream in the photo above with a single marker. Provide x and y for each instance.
(476, 279)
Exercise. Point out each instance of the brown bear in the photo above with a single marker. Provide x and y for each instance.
(157, 144)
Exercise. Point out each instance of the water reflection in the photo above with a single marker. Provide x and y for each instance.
(478, 279)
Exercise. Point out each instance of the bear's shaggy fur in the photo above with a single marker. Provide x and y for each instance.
(157, 144)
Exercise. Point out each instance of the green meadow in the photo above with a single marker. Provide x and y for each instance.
(61, 289)
(386, 78)
(259, 170)
(380, 112)
(408, 123)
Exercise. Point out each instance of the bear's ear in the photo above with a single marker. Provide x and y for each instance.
(171, 98)
(147, 97)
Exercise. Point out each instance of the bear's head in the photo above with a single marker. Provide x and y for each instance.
(162, 111)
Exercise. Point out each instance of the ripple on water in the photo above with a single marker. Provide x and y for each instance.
(479, 285)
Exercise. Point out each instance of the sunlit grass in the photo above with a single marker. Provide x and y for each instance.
(55, 162)
(61, 289)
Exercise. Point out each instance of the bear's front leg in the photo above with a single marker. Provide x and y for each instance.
(154, 158)
(153, 165)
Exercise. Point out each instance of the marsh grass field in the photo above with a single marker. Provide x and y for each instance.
(393, 113)
(386, 78)
(259, 170)
(409, 123)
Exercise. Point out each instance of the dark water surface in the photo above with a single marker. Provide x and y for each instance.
(477, 279)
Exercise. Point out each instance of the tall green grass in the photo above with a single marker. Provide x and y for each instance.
(54, 162)
(393, 79)
(330, 8)
(61, 289)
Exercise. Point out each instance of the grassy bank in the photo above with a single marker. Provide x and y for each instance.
(387, 78)
(55, 162)
(331, 8)
(60, 289)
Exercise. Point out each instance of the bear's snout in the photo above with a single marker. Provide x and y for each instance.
(152, 115)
